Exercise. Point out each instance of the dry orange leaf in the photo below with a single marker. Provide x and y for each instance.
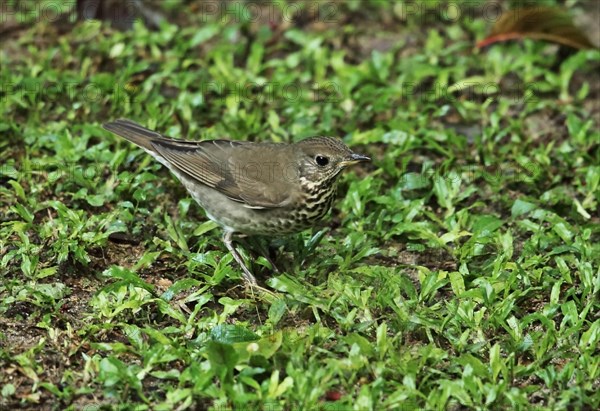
(540, 23)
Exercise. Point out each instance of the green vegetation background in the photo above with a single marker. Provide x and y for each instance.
(459, 270)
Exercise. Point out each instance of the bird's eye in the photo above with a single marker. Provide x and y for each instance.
(322, 160)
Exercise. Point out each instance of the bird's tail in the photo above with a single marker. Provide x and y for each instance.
(134, 132)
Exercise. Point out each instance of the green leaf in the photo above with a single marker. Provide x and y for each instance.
(8, 390)
(521, 207)
(485, 225)
(564, 231)
(116, 50)
(204, 228)
(95, 200)
(415, 181)
(179, 286)
(276, 311)
(19, 191)
(203, 34)
(231, 333)
(222, 358)
(127, 276)
(268, 346)
(457, 283)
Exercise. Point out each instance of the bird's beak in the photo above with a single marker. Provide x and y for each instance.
(353, 159)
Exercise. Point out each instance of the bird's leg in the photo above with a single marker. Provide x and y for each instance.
(248, 277)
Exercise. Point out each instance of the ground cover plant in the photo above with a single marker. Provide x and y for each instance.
(458, 270)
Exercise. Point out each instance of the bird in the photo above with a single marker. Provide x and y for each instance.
(251, 188)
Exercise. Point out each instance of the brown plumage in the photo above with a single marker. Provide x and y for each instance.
(251, 188)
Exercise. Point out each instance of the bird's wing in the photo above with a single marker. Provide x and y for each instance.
(237, 169)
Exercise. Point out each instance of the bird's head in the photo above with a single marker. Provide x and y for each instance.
(322, 158)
